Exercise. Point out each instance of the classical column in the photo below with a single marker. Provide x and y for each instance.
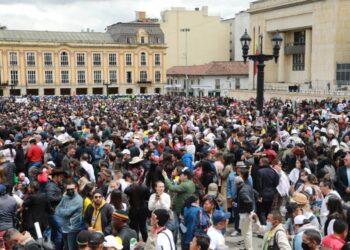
(308, 53)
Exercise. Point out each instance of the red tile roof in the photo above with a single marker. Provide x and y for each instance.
(211, 69)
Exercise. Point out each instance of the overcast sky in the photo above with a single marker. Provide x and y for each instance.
(75, 15)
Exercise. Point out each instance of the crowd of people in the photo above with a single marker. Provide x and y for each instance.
(161, 172)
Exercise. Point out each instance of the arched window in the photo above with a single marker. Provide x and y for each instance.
(64, 59)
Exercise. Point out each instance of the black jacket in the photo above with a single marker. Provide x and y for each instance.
(246, 199)
(53, 193)
(267, 181)
(343, 183)
(126, 234)
(106, 217)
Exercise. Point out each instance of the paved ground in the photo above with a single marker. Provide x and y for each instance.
(236, 242)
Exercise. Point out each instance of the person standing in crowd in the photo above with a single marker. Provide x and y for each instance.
(138, 194)
(337, 240)
(267, 183)
(70, 210)
(311, 240)
(35, 154)
(36, 208)
(343, 180)
(121, 229)
(326, 187)
(69, 156)
(87, 166)
(217, 239)
(98, 214)
(200, 242)
(8, 207)
(160, 236)
(159, 199)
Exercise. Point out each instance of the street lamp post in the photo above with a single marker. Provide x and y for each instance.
(186, 30)
(260, 58)
(107, 87)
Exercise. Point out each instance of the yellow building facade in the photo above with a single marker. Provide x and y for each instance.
(315, 49)
(79, 63)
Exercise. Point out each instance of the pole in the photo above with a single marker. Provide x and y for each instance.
(260, 87)
(186, 30)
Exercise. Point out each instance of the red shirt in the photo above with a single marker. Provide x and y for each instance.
(333, 242)
(35, 153)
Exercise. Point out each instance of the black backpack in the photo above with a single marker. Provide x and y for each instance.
(275, 243)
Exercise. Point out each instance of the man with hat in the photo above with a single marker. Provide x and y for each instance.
(83, 239)
(220, 220)
(54, 190)
(98, 214)
(136, 168)
(10, 169)
(121, 228)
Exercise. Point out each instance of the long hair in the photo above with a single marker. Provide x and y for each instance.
(3, 177)
(116, 199)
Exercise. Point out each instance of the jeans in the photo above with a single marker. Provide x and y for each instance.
(236, 219)
(70, 241)
(55, 224)
(245, 224)
(263, 209)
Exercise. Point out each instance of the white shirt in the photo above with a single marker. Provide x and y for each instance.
(7, 154)
(165, 240)
(163, 203)
(89, 169)
(217, 240)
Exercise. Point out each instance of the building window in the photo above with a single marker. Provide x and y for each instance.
(81, 77)
(128, 59)
(143, 59)
(198, 81)
(14, 77)
(142, 39)
(96, 59)
(217, 84)
(13, 59)
(112, 59)
(129, 77)
(143, 76)
(97, 77)
(343, 73)
(48, 59)
(157, 59)
(157, 76)
(299, 38)
(48, 77)
(31, 76)
(64, 59)
(238, 83)
(113, 76)
(65, 76)
(80, 59)
(30, 59)
(298, 62)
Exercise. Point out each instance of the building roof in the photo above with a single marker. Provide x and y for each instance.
(211, 69)
(55, 36)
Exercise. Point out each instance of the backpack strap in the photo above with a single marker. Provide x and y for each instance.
(275, 243)
(171, 245)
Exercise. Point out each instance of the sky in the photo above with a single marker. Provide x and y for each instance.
(77, 15)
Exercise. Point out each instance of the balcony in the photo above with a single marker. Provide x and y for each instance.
(144, 82)
(294, 48)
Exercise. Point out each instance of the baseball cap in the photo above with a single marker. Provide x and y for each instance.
(299, 219)
(83, 237)
(126, 151)
(213, 189)
(219, 216)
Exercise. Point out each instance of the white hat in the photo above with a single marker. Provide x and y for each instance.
(324, 130)
(315, 121)
(299, 219)
(8, 142)
(189, 137)
(126, 152)
(111, 241)
(135, 160)
(51, 163)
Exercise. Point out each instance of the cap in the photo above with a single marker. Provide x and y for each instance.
(162, 216)
(51, 163)
(213, 189)
(126, 152)
(189, 137)
(8, 142)
(219, 216)
(299, 219)
(120, 215)
(241, 164)
(83, 237)
(111, 241)
(96, 238)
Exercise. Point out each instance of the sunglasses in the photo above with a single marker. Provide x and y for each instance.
(98, 197)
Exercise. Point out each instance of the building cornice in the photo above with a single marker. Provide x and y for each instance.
(264, 6)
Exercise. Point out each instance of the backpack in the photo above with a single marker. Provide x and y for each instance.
(275, 243)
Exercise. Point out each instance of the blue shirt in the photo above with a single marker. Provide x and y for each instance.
(348, 174)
